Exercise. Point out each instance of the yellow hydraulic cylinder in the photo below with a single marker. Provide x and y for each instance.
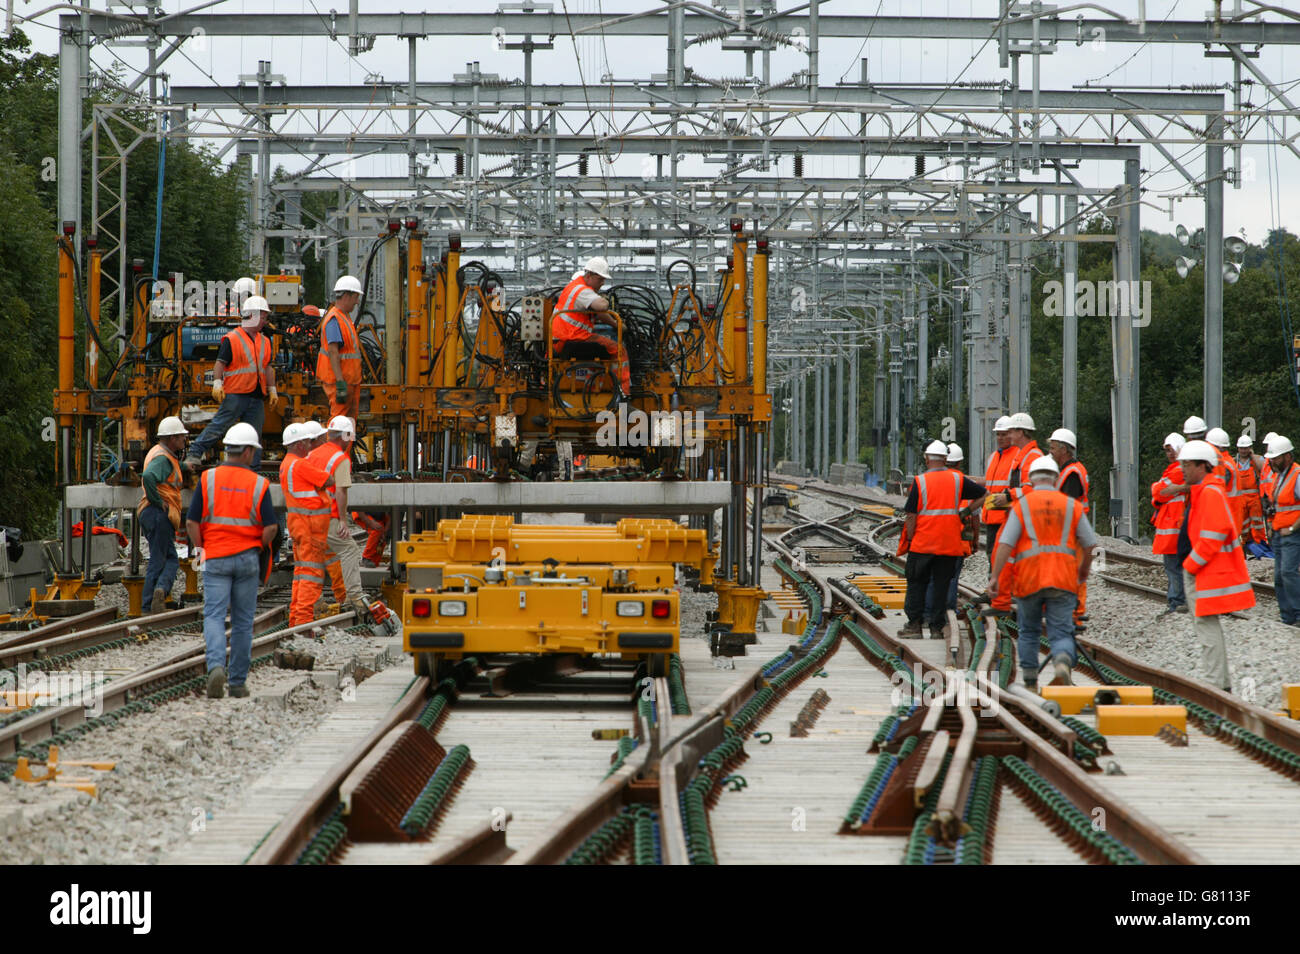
(67, 328)
(417, 319)
(92, 349)
(760, 318)
(737, 317)
(451, 346)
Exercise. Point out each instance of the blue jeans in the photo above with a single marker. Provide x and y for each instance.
(161, 535)
(235, 409)
(230, 583)
(1058, 606)
(952, 591)
(1286, 576)
(1174, 570)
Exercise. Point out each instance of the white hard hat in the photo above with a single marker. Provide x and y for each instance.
(1269, 436)
(1022, 421)
(1199, 450)
(347, 283)
(1218, 437)
(955, 456)
(1065, 436)
(311, 430)
(1175, 440)
(1245, 441)
(1044, 465)
(254, 304)
(342, 425)
(292, 435)
(1002, 424)
(244, 286)
(171, 427)
(1278, 446)
(936, 449)
(242, 435)
(1194, 425)
(599, 266)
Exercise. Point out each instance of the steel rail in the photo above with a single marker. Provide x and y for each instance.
(13, 652)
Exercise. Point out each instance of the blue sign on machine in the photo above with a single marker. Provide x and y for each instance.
(201, 341)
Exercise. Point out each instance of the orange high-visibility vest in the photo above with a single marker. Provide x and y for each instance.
(1169, 509)
(170, 489)
(938, 525)
(1267, 480)
(303, 484)
(232, 510)
(1246, 484)
(1216, 560)
(250, 360)
(1076, 467)
(1287, 499)
(349, 351)
(1225, 470)
(997, 477)
(327, 458)
(1047, 553)
(1018, 475)
(568, 322)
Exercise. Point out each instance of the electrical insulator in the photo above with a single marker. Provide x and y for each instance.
(583, 164)
(460, 163)
(920, 166)
(798, 165)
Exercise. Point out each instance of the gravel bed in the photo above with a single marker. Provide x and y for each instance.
(176, 767)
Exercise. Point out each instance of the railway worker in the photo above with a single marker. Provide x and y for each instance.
(933, 530)
(1169, 498)
(1024, 451)
(315, 436)
(243, 381)
(1049, 539)
(1245, 494)
(1194, 428)
(332, 458)
(159, 510)
(573, 333)
(338, 365)
(1073, 482)
(996, 475)
(1267, 478)
(230, 521)
(1286, 513)
(305, 487)
(970, 533)
(1218, 438)
(376, 527)
(1214, 569)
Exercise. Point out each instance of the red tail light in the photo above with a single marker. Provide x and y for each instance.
(422, 608)
(660, 609)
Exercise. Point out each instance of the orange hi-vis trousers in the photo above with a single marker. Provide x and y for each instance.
(309, 564)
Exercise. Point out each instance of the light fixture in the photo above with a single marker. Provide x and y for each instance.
(1183, 235)
(1235, 246)
(1184, 265)
(1231, 272)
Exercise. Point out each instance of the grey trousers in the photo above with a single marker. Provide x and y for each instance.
(1209, 632)
(346, 549)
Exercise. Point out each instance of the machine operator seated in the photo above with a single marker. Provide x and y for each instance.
(573, 323)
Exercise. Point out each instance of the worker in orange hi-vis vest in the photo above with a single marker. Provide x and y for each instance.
(1214, 569)
(1168, 498)
(1226, 470)
(1073, 482)
(338, 366)
(308, 519)
(996, 475)
(933, 531)
(1246, 507)
(1051, 542)
(1024, 451)
(243, 382)
(573, 325)
(1285, 520)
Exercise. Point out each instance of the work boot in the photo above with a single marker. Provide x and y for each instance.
(239, 692)
(191, 465)
(1030, 679)
(217, 683)
(321, 609)
(912, 630)
(1182, 608)
(1063, 669)
(363, 610)
(1168, 611)
(159, 604)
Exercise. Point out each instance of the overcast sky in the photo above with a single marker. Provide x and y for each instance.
(1255, 207)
